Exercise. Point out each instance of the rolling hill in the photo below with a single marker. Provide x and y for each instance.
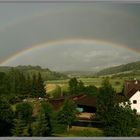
(125, 68)
(46, 73)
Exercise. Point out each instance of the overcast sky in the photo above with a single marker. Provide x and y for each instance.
(23, 26)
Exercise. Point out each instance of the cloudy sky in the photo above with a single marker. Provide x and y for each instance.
(69, 36)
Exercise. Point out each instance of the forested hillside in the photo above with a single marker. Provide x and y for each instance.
(120, 69)
(45, 72)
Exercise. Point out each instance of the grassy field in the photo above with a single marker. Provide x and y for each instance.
(77, 131)
(117, 83)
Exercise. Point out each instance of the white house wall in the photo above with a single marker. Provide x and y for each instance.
(136, 97)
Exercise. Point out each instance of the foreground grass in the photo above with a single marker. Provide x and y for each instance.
(77, 131)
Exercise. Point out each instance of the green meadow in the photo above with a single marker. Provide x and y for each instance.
(117, 83)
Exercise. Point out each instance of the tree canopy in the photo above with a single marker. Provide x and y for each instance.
(117, 120)
(67, 114)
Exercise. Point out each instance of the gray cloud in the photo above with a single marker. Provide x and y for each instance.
(116, 23)
(76, 56)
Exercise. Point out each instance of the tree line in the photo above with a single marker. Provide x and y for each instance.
(78, 87)
(46, 73)
(16, 84)
(75, 87)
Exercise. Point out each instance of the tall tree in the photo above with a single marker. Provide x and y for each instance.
(81, 86)
(40, 87)
(22, 122)
(28, 86)
(106, 102)
(12, 81)
(76, 86)
(43, 122)
(117, 120)
(34, 86)
(6, 118)
(67, 114)
(20, 128)
(123, 122)
(24, 111)
(91, 90)
(3, 89)
(73, 85)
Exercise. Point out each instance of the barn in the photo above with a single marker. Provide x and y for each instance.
(86, 104)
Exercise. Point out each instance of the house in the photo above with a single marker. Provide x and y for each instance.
(57, 102)
(86, 104)
(132, 91)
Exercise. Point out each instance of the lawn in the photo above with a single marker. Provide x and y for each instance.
(77, 131)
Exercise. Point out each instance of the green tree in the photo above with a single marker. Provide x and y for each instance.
(34, 86)
(24, 111)
(2, 83)
(117, 120)
(122, 123)
(43, 126)
(67, 114)
(20, 128)
(23, 120)
(106, 102)
(12, 81)
(22, 84)
(40, 87)
(16, 83)
(76, 86)
(73, 85)
(6, 118)
(91, 90)
(28, 86)
(81, 86)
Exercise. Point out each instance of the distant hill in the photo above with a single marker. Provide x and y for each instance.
(46, 73)
(120, 69)
(79, 73)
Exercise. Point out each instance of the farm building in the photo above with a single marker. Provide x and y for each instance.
(86, 104)
(132, 91)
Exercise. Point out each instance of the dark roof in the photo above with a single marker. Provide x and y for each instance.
(87, 100)
(67, 97)
(57, 102)
(131, 87)
(81, 99)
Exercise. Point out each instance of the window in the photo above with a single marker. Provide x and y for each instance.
(134, 101)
